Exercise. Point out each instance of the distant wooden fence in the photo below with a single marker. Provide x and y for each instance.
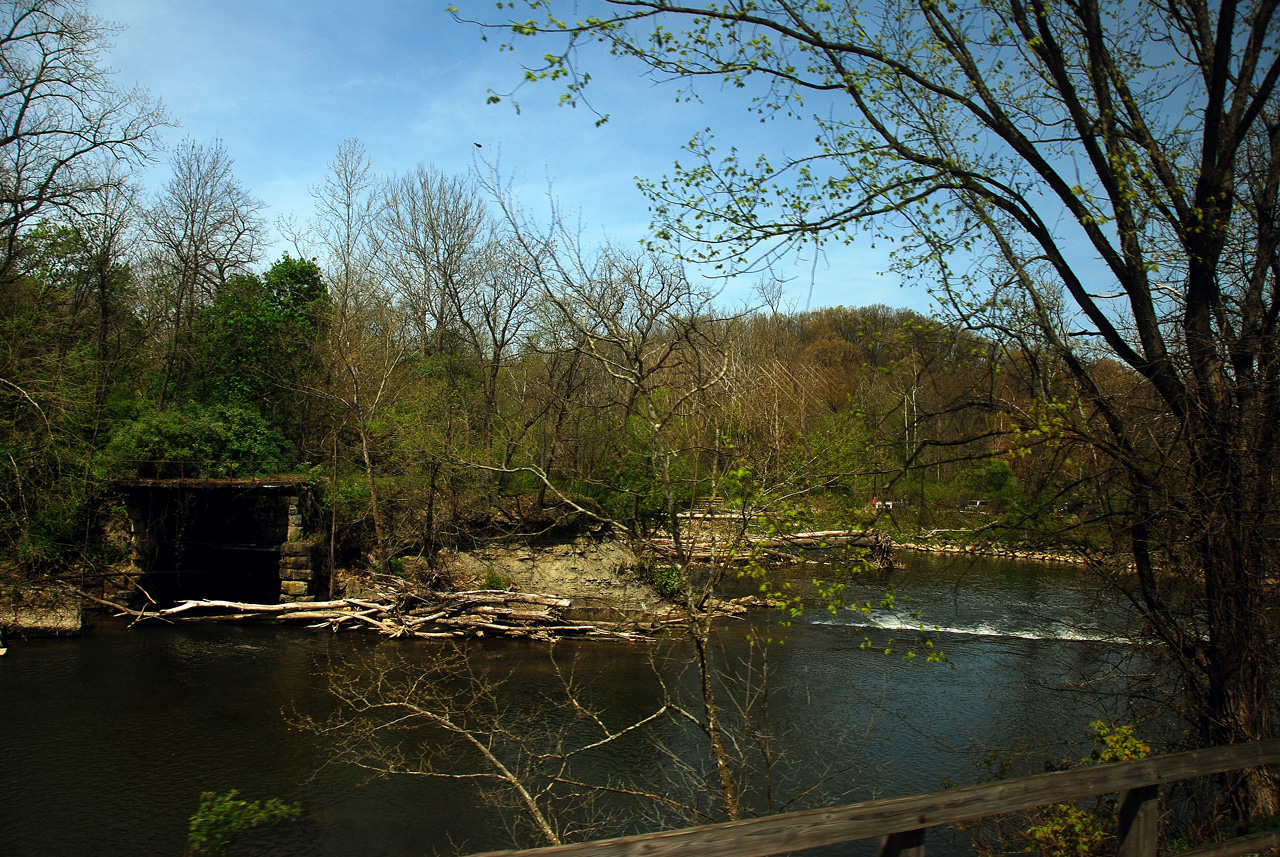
(901, 822)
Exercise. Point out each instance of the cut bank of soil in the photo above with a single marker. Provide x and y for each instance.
(594, 573)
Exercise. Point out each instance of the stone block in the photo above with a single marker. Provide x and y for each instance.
(302, 548)
(295, 574)
(295, 562)
(294, 588)
(295, 520)
(295, 533)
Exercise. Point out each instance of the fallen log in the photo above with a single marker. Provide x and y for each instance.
(746, 548)
(499, 596)
(431, 615)
(286, 607)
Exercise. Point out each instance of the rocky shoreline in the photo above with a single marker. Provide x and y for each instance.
(992, 551)
(45, 613)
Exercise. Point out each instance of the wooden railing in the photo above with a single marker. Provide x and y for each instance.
(901, 822)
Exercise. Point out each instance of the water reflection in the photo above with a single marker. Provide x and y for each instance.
(109, 739)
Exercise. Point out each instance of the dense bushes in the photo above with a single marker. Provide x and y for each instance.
(213, 435)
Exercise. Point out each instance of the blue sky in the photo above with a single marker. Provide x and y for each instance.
(282, 84)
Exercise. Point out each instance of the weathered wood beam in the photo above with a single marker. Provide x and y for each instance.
(1255, 843)
(818, 828)
(1139, 818)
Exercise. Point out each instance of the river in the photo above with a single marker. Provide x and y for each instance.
(108, 739)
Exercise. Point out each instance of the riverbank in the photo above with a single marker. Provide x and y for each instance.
(587, 588)
(594, 571)
(600, 578)
(39, 612)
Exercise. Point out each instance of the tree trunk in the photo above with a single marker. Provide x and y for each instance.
(700, 632)
(1228, 559)
(1230, 549)
(379, 533)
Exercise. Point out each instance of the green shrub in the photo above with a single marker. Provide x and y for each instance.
(666, 580)
(1067, 830)
(493, 580)
(221, 817)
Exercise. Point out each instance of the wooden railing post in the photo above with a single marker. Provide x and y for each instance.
(1139, 822)
(904, 843)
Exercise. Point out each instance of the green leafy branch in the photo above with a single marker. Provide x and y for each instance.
(222, 817)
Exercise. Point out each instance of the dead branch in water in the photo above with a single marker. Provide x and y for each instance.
(430, 615)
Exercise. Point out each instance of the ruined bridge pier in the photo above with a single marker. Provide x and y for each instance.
(233, 538)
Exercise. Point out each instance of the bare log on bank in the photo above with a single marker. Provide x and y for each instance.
(745, 549)
(431, 615)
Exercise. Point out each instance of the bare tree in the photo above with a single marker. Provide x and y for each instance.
(62, 119)
(452, 721)
(637, 318)
(343, 231)
(105, 222)
(204, 227)
(367, 342)
(494, 312)
(433, 229)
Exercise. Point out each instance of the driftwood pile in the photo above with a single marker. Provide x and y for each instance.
(429, 615)
(711, 549)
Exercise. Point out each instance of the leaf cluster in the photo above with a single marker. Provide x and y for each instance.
(222, 817)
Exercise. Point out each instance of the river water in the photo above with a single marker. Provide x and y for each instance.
(107, 740)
